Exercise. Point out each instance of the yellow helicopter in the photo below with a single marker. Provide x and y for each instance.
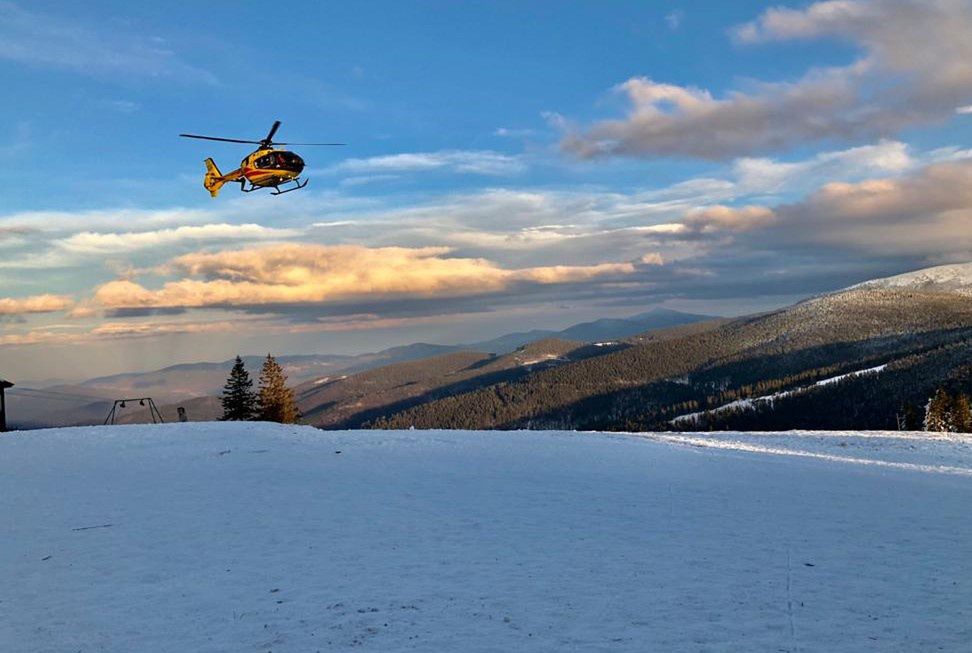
(263, 168)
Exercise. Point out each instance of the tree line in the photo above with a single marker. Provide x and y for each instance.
(948, 412)
(273, 401)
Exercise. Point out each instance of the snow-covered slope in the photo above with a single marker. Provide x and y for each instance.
(945, 278)
(256, 537)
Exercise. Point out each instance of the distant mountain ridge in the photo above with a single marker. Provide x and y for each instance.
(191, 384)
(593, 331)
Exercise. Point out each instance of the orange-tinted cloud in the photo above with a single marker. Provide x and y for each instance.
(296, 274)
(34, 304)
(725, 218)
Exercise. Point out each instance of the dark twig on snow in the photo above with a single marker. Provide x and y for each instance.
(88, 528)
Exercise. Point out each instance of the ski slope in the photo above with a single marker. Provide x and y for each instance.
(751, 403)
(257, 537)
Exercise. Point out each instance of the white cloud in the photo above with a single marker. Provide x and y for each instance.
(769, 175)
(674, 19)
(916, 67)
(507, 132)
(103, 219)
(93, 243)
(481, 162)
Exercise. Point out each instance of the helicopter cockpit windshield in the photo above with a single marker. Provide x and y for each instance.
(280, 161)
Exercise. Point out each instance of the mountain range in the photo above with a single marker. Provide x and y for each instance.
(917, 329)
(864, 357)
(196, 386)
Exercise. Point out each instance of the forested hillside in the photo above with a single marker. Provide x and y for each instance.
(923, 336)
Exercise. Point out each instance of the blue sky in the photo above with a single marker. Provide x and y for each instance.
(509, 165)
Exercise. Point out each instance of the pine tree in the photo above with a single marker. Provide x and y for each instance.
(277, 402)
(961, 414)
(239, 400)
(938, 412)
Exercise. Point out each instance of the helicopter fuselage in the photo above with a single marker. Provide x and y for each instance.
(264, 168)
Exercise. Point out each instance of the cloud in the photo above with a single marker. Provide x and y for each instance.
(99, 219)
(674, 19)
(916, 67)
(34, 304)
(302, 274)
(924, 215)
(40, 39)
(724, 218)
(480, 162)
(761, 175)
(510, 132)
(58, 335)
(819, 19)
(88, 242)
(142, 329)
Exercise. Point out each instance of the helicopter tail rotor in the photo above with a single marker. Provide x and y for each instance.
(214, 179)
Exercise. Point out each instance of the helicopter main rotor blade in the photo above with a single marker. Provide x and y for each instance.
(273, 130)
(216, 138)
(303, 144)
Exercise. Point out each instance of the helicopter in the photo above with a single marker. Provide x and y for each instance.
(265, 167)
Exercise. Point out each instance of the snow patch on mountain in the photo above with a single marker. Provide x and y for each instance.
(956, 277)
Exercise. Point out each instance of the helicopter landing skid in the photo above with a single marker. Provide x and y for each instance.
(275, 189)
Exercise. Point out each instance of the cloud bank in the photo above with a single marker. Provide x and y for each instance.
(34, 304)
(303, 274)
(915, 68)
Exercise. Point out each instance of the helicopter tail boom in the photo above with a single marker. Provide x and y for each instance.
(214, 179)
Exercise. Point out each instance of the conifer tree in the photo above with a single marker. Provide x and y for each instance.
(277, 402)
(239, 400)
(961, 414)
(938, 412)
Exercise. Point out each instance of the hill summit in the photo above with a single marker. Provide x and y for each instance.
(956, 277)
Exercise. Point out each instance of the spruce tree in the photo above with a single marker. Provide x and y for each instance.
(938, 412)
(961, 414)
(239, 400)
(277, 402)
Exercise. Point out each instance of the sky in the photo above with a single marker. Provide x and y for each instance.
(508, 166)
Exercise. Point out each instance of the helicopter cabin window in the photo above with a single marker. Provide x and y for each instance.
(280, 161)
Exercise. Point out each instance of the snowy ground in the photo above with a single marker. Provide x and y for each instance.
(253, 537)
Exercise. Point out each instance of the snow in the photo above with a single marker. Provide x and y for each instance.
(545, 358)
(259, 537)
(751, 402)
(325, 379)
(954, 277)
